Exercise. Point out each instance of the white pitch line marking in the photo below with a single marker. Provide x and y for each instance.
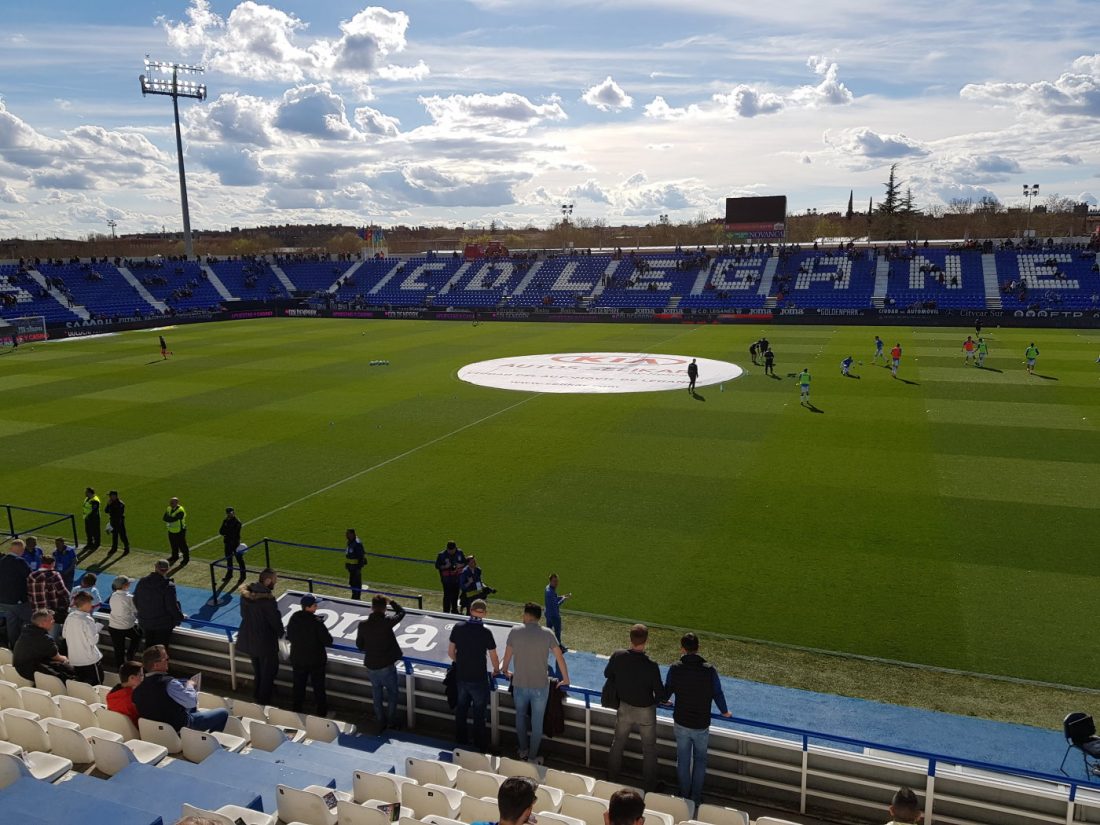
(377, 466)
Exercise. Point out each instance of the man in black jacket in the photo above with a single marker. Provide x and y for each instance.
(230, 532)
(381, 652)
(116, 522)
(157, 606)
(637, 681)
(695, 684)
(308, 639)
(36, 651)
(14, 607)
(259, 634)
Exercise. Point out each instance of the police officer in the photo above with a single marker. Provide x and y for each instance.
(355, 559)
(116, 520)
(175, 517)
(91, 519)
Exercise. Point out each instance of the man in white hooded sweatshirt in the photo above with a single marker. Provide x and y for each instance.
(81, 634)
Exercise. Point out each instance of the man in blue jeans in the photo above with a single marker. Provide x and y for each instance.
(470, 641)
(381, 653)
(172, 701)
(695, 684)
(531, 646)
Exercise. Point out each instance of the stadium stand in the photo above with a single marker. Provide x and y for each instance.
(692, 281)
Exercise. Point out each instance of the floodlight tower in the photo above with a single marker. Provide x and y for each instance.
(174, 88)
(1030, 194)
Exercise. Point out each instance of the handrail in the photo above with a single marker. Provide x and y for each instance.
(13, 533)
(221, 562)
(933, 759)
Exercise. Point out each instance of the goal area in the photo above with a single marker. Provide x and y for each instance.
(24, 330)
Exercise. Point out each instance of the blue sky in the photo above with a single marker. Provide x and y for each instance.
(469, 111)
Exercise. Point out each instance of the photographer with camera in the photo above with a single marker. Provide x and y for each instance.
(472, 585)
(381, 653)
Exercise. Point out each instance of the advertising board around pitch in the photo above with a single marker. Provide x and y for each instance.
(596, 372)
(423, 634)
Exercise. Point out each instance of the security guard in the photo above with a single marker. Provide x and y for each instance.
(91, 519)
(175, 517)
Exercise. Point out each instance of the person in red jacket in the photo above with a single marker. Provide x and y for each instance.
(121, 697)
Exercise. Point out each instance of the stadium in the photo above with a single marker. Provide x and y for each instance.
(870, 506)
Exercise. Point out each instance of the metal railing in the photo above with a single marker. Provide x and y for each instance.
(310, 582)
(13, 532)
(1056, 789)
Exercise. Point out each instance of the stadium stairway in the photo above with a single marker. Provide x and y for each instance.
(1013, 745)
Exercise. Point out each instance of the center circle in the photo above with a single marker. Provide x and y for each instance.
(596, 372)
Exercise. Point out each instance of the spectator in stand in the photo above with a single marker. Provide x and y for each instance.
(259, 634)
(121, 697)
(308, 639)
(515, 801)
(449, 563)
(116, 522)
(81, 635)
(36, 651)
(122, 623)
(626, 807)
(158, 608)
(531, 645)
(64, 557)
(32, 553)
(87, 585)
(469, 642)
(46, 590)
(905, 808)
(695, 684)
(376, 638)
(90, 510)
(230, 531)
(14, 605)
(355, 559)
(172, 701)
(636, 680)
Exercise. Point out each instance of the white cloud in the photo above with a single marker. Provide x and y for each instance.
(608, 96)
(315, 111)
(1074, 93)
(234, 117)
(1087, 197)
(373, 122)
(260, 42)
(744, 101)
(829, 92)
(589, 190)
(506, 112)
(9, 195)
(864, 143)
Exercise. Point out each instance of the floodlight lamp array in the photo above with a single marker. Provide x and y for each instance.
(172, 87)
(172, 68)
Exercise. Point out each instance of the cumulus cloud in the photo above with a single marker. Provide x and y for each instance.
(234, 117)
(608, 97)
(316, 111)
(981, 168)
(745, 101)
(506, 112)
(829, 92)
(373, 122)
(864, 143)
(424, 184)
(9, 195)
(589, 190)
(1074, 93)
(260, 42)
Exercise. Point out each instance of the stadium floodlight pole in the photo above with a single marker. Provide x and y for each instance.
(174, 88)
(1030, 194)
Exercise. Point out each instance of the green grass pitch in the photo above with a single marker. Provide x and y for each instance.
(949, 521)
